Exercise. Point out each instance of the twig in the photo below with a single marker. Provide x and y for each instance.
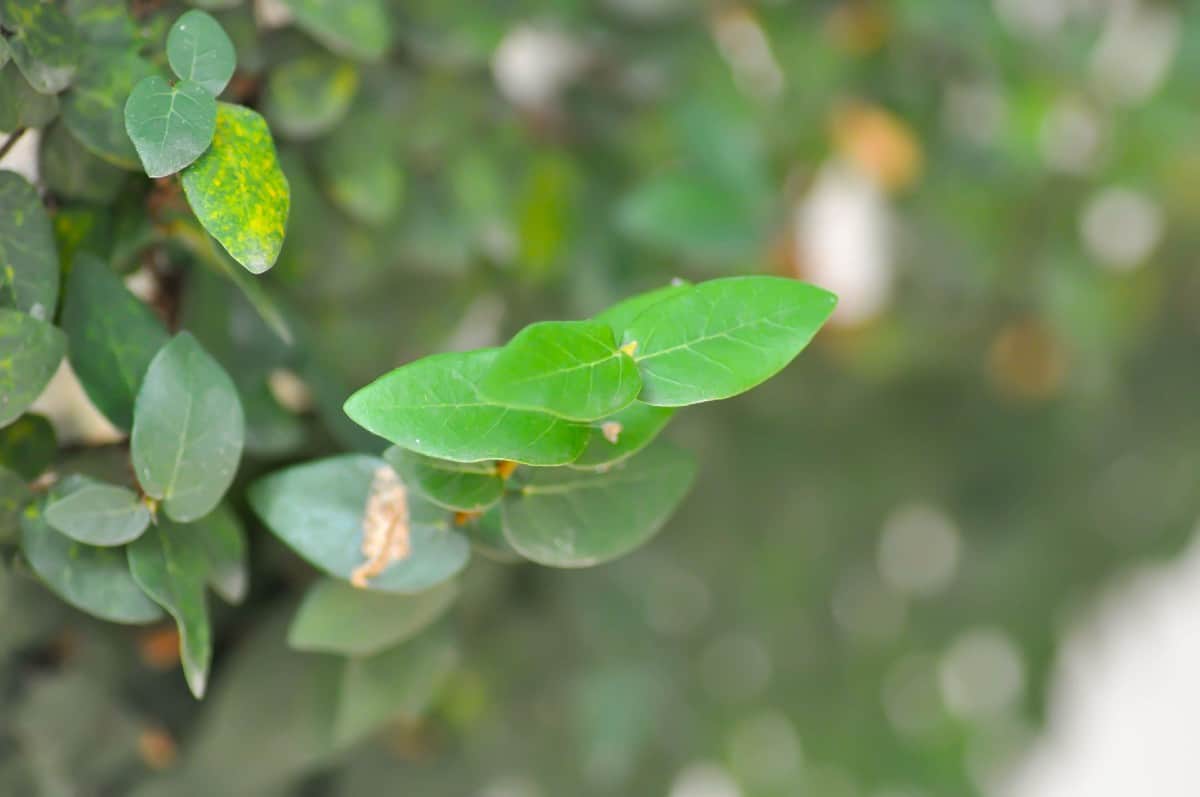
(11, 141)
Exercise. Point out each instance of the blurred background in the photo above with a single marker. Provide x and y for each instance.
(948, 552)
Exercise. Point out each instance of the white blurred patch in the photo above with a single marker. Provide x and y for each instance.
(704, 779)
(1124, 698)
(1032, 18)
(74, 418)
(918, 550)
(844, 242)
(272, 14)
(1135, 51)
(1071, 137)
(764, 750)
(22, 158)
(982, 673)
(533, 65)
(744, 44)
(1121, 227)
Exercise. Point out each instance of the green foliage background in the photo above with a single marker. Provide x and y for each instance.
(1040, 401)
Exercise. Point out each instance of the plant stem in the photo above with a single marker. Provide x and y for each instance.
(11, 141)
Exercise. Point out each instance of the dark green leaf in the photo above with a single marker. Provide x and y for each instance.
(70, 170)
(94, 109)
(724, 336)
(30, 351)
(570, 518)
(20, 105)
(238, 191)
(220, 535)
(94, 580)
(188, 430)
(308, 96)
(361, 169)
(170, 126)
(28, 446)
(318, 509)
(99, 514)
(14, 495)
(103, 21)
(486, 533)
(460, 486)
(169, 563)
(354, 28)
(43, 43)
(29, 265)
(572, 369)
(623, 435)
(336, 617)
(621, 314)
(434, 407)
(199, 51)
(112, 338)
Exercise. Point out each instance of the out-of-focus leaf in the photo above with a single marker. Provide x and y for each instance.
(318, 509)
(723, 337)
(70, 170)
(570, 518)
(44, 43)
(29, 264)
(335, 617)
(486, 533)
(28, 446)
(308, 96)
(623, 435)
(459, 486)
(199, 52)
(30, 351)
(238, 191)
(223, 540)
(99, 514)
(112, 338)
(82, 227)
(358, 29)
(20, 105)
(169, 563)
(361, 171)
(94, 109)
(14, 495)
(188, 430)
(170, 126)
(434, 407)
(103, 21)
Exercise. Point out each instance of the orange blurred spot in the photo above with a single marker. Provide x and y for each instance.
(157, 748)
(505, 468)
(159, 647)
(858, 27)
(879, 143)
(1027, 362)
(463, 518)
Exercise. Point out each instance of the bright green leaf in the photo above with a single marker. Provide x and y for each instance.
(724, 336)
(112, 338)
(99, 514)
(70, 170)
(335, 617)
(170, 126)
(355, 28)
(30, 351)
(572, 369)
(308, 96)
(623, 435)
(318, 509)
(94, 109)
(94, 580)
(199, 51)
(44, 43)
(621, 314)
(188, 430)
(459, 486)
(570, 518)
(238, 191)
(170, 565)
(221, 536)
(28, 256)
(20, 105)
(28, 446)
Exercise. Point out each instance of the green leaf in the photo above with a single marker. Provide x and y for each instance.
(433, 406)
(99, 514)
(103, 21)
(43, 43)
(621, 314)
(94, 109)
(396, 684)
(188, 430)
(221, 536)
(14, 495)
(486, 533)
(318, 510)
(572, 369)
(623, 435)
(20, 105)
(357, 29)
(170, 565)
(94, 580)
(199, 51)
(28, 446)
(28, 256)
(362, 170)
(459, 486)
(238, 191)
(112, 336)
(308, 96)
(70, 170)
(566, 518)
(724, 336)
(335, 617)
(170, 126)
(30, 351)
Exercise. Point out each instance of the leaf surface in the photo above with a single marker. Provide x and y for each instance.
(99, 514)
(30, 351)
(199, 51)
(170, 126)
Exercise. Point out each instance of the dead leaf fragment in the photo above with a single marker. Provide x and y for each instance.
(385, 526)
(611, 431)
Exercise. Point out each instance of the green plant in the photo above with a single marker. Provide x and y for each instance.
(541, 450)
